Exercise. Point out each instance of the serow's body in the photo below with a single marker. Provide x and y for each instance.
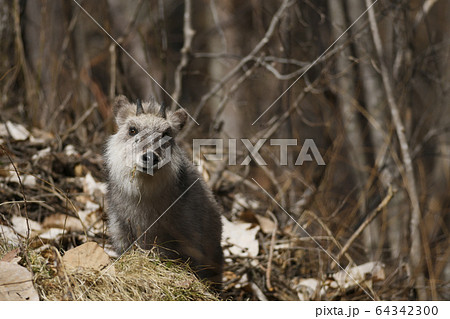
(156, 197)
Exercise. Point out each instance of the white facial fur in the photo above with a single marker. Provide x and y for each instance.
(129, 179)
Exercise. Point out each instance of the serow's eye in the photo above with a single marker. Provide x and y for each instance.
(132, 131)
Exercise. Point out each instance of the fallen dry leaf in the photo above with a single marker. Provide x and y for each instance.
(42, 153)
(306, 288)
(70, 150)
(20, 225)
(16, 283)
(91, 187)
(62, 221)
(371, 271)
(229, 275)
(241, 202)
(11, 256)
(25, 179)
(88, 255)
(17, 131)
(8, 235)
(51, 234)
(89, 214)
(267, 225)
(40, 137)
(241, 237)
(79, 170)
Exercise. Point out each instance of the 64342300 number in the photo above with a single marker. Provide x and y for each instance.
(407, 310)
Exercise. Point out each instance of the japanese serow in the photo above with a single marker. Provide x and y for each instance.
(156, 197)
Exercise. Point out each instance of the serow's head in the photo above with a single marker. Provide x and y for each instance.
(147, 130)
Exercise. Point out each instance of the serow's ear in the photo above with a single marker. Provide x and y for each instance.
(178, 119)
(121, 107)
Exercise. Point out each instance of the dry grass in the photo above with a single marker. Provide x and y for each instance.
(139, 275)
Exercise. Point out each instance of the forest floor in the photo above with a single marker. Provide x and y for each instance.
(52, 201)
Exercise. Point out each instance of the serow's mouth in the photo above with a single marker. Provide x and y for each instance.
(147, 168)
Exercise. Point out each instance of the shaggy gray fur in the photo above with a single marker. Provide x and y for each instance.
(190, 230)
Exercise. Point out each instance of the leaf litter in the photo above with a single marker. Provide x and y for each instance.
(60, 231)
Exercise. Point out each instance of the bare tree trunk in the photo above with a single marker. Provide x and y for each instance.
(44, 48)
(221, 12)
(7, 69)
(122, 14)
(186, 50)
(441, 172)
(32, 95)
(374, 103)
(415, 254)
(346, 97)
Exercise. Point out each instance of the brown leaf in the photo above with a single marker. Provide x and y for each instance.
(11, 256)
(88, 255)
(62, 221)
(267, 225)
(248, 216)
(16, 283)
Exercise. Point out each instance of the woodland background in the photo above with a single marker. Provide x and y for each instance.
(376, 103)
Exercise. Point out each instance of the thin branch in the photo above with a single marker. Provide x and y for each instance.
(212, 5)
(367, 222)
(427, 5)
(22, 191)
(112, 71)
(272, 244)
(226, 97)
(80, 121)
(331, 236)
(186, 50)
(270, 31)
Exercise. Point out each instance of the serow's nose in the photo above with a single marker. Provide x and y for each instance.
(150, 158)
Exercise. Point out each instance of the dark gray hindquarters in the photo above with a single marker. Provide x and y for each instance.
(194, 225)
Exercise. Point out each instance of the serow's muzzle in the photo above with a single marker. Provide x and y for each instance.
(150, 160)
